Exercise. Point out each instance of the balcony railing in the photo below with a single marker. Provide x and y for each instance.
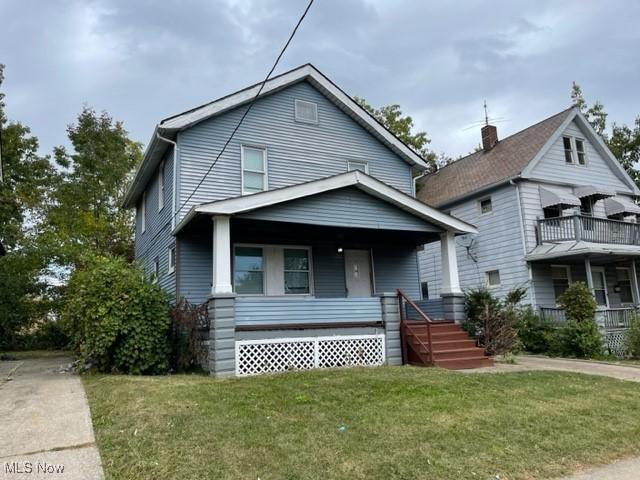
(588, 229)
(608, 318)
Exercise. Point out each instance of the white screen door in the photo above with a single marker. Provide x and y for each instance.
(357, 268)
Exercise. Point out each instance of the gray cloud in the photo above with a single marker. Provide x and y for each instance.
(145, 60)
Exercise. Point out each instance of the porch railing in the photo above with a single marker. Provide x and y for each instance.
(608, 318)
(406, 305)
(588, 229)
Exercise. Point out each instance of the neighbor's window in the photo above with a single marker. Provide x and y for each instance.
(296, 271)
(306, 112)
(424, 287)
(355, 165)
(172, 258)
(581, 152)
(161, 187)
(624, 284)
(254, 169)
(493, 278)
(485, 206)
(156, 269)
(561, 278)
(568, 149)
(248, 276)
(143, 212)
(552, 212)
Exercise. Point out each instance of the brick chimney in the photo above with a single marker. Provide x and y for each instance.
(489, 137)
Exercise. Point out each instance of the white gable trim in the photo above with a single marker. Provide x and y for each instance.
(593, 137)
(356, 178)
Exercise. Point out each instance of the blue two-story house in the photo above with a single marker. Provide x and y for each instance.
(297, 229)
(553, 206)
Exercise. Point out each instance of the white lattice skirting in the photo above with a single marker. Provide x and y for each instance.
(254, 357)
(614, 340)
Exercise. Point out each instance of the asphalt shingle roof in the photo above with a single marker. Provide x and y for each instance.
(482, 169)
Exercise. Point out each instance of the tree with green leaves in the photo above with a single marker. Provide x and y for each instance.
(86, 215)
(401, 126)
(622, 140)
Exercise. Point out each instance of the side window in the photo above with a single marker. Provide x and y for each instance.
(254, 169)
(582, 155)
(485, 206)
(493, 278)
(172, 258)
(568, 149)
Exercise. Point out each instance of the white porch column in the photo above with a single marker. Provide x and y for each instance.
(450, 280)
(587, 268)
(221, 255)
(634, 281)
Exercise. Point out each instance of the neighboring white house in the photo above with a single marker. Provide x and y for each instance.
(552, 206)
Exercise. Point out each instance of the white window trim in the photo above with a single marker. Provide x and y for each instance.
(350, 164)
(486, 276)
(161, 187)
(480, 206)
(265, 164)
(143, 212)
(584, 151)
(633, 294)
(304, 120)
(263, 246)
(171, 268)
(604, 284)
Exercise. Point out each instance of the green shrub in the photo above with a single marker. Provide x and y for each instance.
(117, 317)
(535, 333)
(578, 303)
(47, 335)
(476, 304)
(632, 338)
(578, 339)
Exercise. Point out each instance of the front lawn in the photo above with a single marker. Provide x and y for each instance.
(377, 423)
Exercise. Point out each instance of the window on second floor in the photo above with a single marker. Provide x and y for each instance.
(568, 149)
(161, 187)
(586, 206)
(254, 169)
(582, 155)
(485, 206)
(552, 212)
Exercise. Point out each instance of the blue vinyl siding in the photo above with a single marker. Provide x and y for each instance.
(346, 207)
(266, 311)
(297, 152)
(433, 308)
(497, 246)
(195, 270)
(396, 267)
(157, 238)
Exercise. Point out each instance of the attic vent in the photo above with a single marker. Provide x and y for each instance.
(306, 112)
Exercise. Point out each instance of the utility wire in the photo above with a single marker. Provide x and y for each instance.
(251, 103)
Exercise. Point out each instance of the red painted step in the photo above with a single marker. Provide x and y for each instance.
(465, 363)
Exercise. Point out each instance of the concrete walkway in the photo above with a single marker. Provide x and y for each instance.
(621, 470)
(621, 372)
(46, 424)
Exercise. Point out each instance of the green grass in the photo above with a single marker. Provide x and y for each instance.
(400, 423)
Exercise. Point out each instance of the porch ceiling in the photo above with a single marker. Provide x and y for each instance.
(577, 250)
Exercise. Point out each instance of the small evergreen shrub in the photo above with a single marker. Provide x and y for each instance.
(535, 333)
(117, 318)
(580, 336)
(632, 338)
(578, 303)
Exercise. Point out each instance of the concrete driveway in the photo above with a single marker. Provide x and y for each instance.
(46, 426)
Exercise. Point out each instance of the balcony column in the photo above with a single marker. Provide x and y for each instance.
(452, 297)
(634, 281)
(221, 283)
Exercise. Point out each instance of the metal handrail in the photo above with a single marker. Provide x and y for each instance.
(404, 327)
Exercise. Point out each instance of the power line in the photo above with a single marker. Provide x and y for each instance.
(286, 45)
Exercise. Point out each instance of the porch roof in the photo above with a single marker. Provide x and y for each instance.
(570, 249)
(355, 179)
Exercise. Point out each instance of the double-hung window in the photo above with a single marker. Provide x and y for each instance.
(486, 206)
(568, 149)
(254, 169)
(624, 284)
(248, 276)
(580, 151)
(561, 278)
(296, 271)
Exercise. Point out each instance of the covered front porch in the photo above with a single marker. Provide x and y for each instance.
(310, 281)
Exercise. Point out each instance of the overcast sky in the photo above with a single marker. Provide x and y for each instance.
(145, 60)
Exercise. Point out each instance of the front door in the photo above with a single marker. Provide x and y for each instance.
(357, 268)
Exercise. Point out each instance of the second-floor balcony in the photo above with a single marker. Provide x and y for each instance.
(587, 229)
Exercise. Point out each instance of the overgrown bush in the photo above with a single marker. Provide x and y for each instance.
(189, 327)
(535, 333)
(492, 321)
(117, 317)
(580, 336)
(632, 338)
(46, 335)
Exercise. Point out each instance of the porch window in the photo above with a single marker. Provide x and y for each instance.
(568, 149)
(296, 271)
(582, 156)
(600, 286)
(254, 169)
(561, 278)
(624, 285)
(493, 278)
(248, 275)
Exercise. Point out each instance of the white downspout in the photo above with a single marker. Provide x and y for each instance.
(415, 181)
(523, 233)
(175, 180)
